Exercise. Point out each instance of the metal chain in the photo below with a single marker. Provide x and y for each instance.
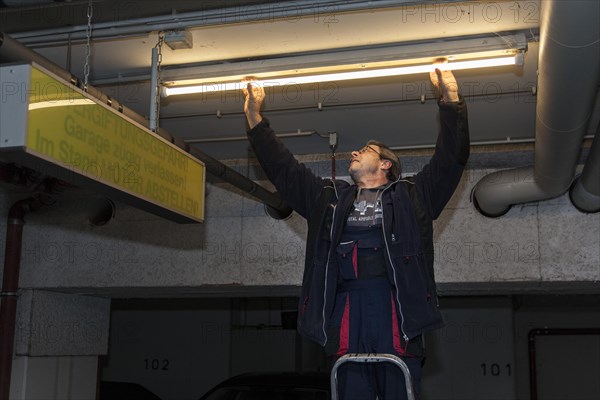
(159, 45)
(88, 34)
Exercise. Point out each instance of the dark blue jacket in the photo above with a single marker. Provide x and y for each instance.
(409, 207)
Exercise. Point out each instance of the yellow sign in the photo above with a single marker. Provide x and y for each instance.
(69, 129)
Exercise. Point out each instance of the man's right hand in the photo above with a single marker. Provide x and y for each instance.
(254, 96)
(445, 83)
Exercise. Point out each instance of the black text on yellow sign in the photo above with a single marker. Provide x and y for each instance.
(94, 141)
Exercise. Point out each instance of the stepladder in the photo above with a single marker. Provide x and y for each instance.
(371, 359)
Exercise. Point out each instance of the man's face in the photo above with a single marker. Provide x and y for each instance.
(364, 162)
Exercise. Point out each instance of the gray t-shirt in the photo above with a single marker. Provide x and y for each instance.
(363, 229)
(367, 211)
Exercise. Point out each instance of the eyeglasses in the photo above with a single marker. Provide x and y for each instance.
(367, 147)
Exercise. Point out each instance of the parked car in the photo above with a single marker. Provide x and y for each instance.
(272, 386)
(125, 391)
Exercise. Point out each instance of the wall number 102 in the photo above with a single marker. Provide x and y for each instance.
(156, 364)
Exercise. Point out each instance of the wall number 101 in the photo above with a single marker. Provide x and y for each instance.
(495, 369)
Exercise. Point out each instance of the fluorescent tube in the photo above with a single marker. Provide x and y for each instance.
(221, 84)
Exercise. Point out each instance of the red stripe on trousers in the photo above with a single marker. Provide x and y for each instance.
(395, 331)
(345, 329)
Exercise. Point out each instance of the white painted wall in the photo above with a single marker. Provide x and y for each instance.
(64, 378)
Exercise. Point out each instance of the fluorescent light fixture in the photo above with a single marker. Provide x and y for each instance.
(217, 86)
(348, 65)
(60, 103)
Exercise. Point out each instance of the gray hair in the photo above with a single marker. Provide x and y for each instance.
(388, 154)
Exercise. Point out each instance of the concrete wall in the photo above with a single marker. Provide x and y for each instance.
(58, 338)
(545, 246)
(57, 324)
(239, 247)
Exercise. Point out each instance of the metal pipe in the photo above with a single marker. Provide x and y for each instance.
(479, 143)
(220, 170)
(569, 62)
(222, 16)
(508, 140)
(345, 105)
(8, 173)
(153, 118)
(299, 133)
(585, 191)
(533, 395)
(47, 188)
(13, 51)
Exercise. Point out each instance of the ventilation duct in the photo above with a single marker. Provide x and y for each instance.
(568, 77)
(585, 191)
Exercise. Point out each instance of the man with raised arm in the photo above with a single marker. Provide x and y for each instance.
(368, 284)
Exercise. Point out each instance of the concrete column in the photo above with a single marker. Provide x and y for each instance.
(57, 343)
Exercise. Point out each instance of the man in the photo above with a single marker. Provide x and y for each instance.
(368, 284)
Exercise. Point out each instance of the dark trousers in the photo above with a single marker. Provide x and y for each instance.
(367, 326)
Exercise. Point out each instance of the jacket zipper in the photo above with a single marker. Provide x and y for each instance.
(327, 268)
(325, 299)
(387, 249)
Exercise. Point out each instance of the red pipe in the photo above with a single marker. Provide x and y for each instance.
(45, 188)
(10, 174)
(10, 286)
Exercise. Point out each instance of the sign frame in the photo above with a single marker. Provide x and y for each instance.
(15, 146)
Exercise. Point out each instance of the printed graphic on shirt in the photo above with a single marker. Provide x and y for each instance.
(367, 209)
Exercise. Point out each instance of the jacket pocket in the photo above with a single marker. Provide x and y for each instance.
(348, 257)
(411, 275)
(416, 292)
(312, 303)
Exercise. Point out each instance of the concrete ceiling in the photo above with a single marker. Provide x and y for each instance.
(501, 100)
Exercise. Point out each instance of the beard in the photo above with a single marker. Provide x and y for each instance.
(357, 171)
(354, 172)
